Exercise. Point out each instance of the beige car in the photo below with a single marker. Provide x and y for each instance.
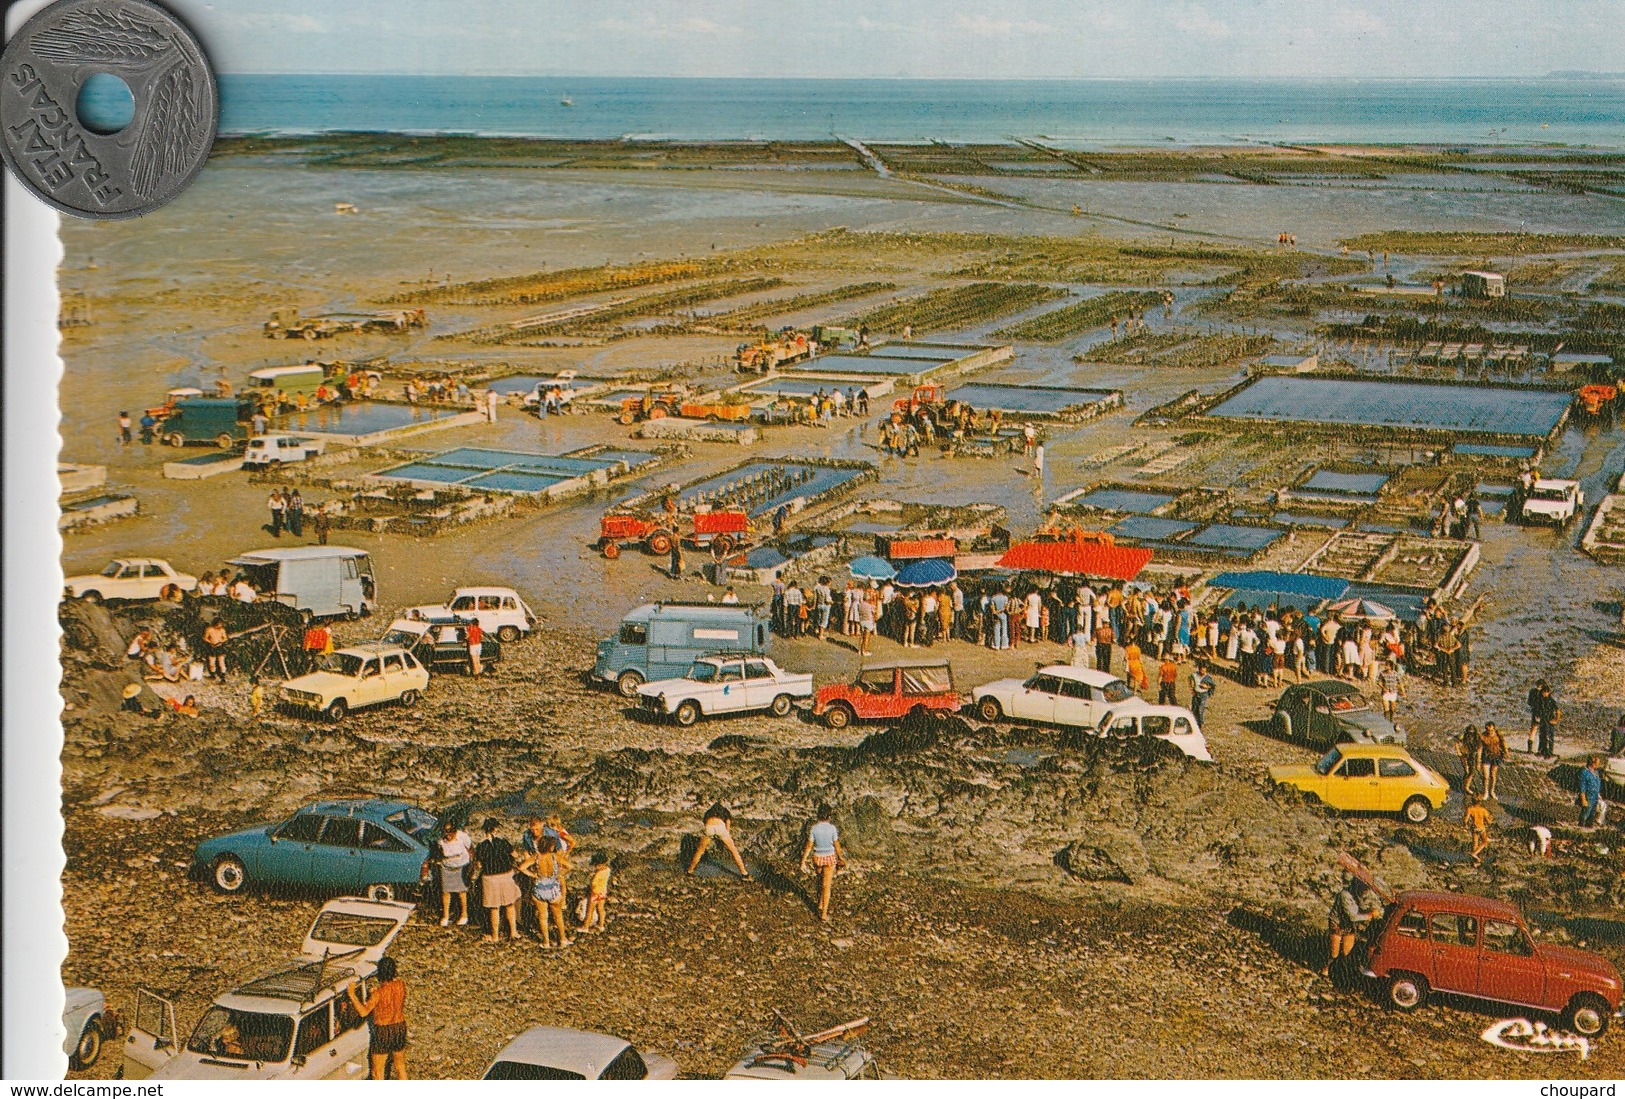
(356, 677)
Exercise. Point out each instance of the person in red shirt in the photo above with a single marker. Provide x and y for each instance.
(387, 1007)
(1167, 677)
(476, 637)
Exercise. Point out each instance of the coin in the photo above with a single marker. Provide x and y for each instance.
(69, 165)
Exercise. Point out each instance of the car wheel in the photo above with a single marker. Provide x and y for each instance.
(838, 716)
(228, 874)
(92, 597)
(336, 710)
(1283, 725)
(1312, 801)
(1586, 1015)
(1406, 992)
(1417, 810)
(781, 706)
(989, 709)
(628, 683)
(223, 441)
(381, 891)
(687, 713)
(89, 1048)
(409, 698)
(508, 634)
(176, 439)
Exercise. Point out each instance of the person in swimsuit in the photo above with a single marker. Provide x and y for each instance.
(717, 830)
(823, 847)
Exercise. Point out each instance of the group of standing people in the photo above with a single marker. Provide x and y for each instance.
(287, 508)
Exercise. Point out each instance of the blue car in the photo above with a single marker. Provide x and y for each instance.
(361, 847)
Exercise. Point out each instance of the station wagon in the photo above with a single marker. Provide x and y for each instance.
(883, 692)
(1474, 946)
(1061, 694)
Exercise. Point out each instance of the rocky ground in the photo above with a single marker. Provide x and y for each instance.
(1015, 906)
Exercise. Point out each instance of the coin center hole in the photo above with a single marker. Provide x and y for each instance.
(105, 104)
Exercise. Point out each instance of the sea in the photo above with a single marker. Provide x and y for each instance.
(1067, 113)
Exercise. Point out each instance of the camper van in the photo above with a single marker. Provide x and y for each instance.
(662, 640)
(292, 380)
(323, 581)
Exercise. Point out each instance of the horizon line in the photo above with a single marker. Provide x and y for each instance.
(1554, 75)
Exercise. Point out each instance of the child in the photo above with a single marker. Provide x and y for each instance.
(256, 698)
(597, 893)
(1478, 828)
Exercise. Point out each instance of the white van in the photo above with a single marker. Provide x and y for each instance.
(293, 1023)
(322, 581)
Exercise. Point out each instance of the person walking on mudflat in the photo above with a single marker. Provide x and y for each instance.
(717, 830)
(824, 848)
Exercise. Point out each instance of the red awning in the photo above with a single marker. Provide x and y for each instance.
(1079, 558)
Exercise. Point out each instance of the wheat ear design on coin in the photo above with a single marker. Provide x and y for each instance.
(173, 125)
(110, 38)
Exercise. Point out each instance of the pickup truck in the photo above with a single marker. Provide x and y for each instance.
(272, 450)
(725, 684)
(1553, 501)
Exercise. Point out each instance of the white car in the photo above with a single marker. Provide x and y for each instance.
(352, 678)
(129, 578)
(726, 684)
(1553, 501)
(565, 381)
(293, 1023)
(87, 1021)
(559, 1053)
(838, 1053)
(499, 611)
(1175, 724)
(1061, 694)
(272, 450)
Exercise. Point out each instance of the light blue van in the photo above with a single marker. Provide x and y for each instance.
(661, 641)
(322, 581)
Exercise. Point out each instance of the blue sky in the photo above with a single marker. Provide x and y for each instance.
(915, 38)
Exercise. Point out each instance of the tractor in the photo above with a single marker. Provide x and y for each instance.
(653, 405)
(929, 396)
(721, 531)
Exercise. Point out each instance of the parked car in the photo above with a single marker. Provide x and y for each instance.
(728, 683)
(1553, 501)
(501, 612)
(440, 643)
(129, 578)
(1061, 694)
(373, 846)
(1175, 724)
(1375, 778)
(837, 1053)
(559, 1053)
(1473, 946)
(275, 450)
(88, 1023)
(357, 677)
(662, 640)
(1329, 711)
(884, 692)
(292, 1023)
(320, 581)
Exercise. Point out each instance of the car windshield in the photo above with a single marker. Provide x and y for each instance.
(1117, 691)
(1328, 761)
(1344, 704)
(703, 671)
(402, 637)
(113, 569)
(520, 1070)
(346, 664)
(242, 1035)
(1549, 494)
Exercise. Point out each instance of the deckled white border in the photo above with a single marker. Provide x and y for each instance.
(32, 822)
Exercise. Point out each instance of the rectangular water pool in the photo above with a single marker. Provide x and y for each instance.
(1123, 499)
(361, 418)
(1049, 399)
(1492, 410)
(1144, 528)
(1345, 484)
(864, 364)
(760, 488)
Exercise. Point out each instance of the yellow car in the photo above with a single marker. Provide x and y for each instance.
(1372, 778)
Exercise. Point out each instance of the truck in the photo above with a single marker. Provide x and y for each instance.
(663, 640)
(318, 581)
(1553, 501)
(727, 683)
(288, 324)
(721, 532)
(222, 421)
(789, 346)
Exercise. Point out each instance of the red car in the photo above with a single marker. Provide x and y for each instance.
(1473, 946)
(884, 692)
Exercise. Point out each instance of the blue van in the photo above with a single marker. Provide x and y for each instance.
(661, 641)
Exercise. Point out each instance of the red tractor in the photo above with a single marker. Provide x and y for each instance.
(720, 532)
(931, 395)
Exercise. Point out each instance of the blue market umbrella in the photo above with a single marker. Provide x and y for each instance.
(928, 573)
(872, 568)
